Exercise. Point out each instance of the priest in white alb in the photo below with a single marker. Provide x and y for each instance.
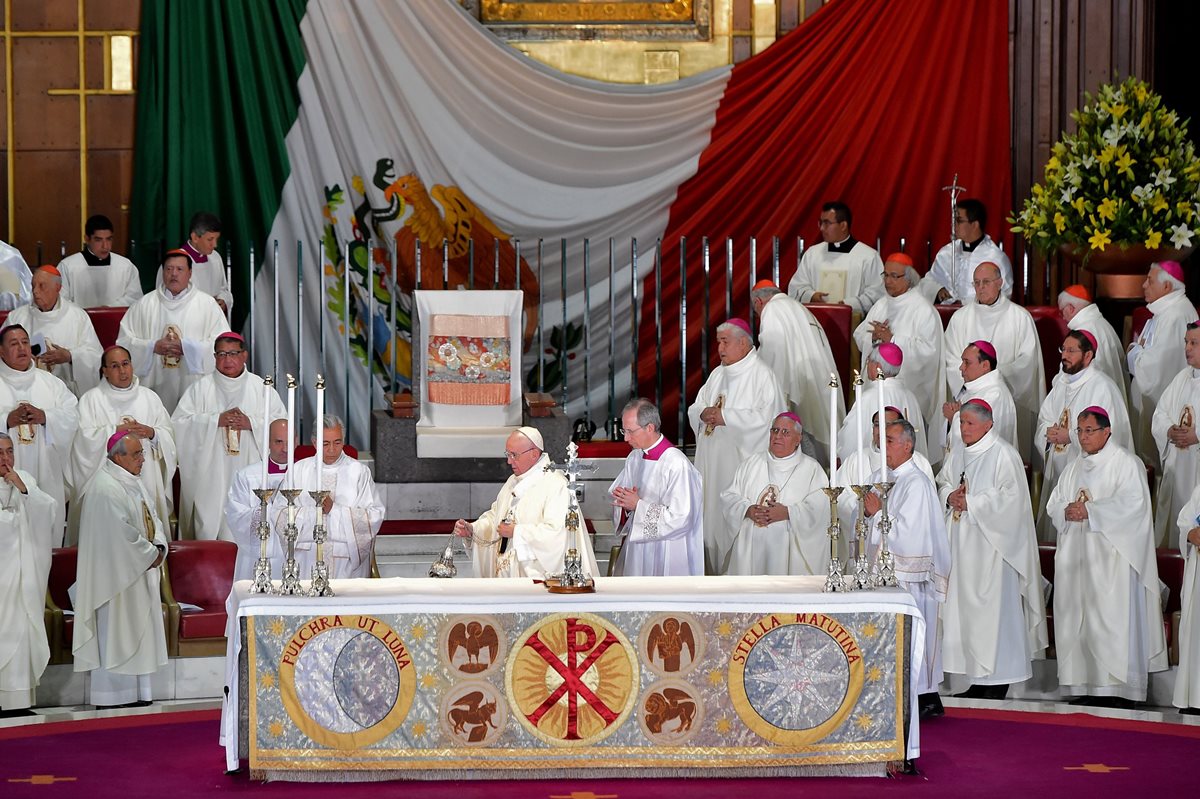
(119, 635)
(1156, 355)
(25, 544)
(97, 277)
(906, 318)
(776, 510)
(170, 332)
(980, 380)
(121, 404)
(841, 269)
(218, 424)
(530, 513)
(793, 345)
(730, 418)
(242, 506)
(41, 415)
(1108, 624)
(919, 548)
(993, 317)
(951, 278)
(60, 332)
(886, 361)
(1187, 677)
(658, 505)
(1080, 313)
(1174, 427)
(994, 619)
(1079, 385)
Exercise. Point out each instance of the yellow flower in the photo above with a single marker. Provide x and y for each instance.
(1124, 163)
(1107, 209)
(1099, 240)
(1140, 92)
(1080, 205)
(1107, 154)
(1060, 222)
(1160, 203)
(1053, 165)
(1118, 111)
(1147, 120)
(1161, 162)
(1153, 240)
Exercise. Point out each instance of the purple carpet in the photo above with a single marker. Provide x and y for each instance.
(968, 753)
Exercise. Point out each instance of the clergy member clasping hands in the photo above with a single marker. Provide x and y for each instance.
(26, 413)
(1076, 511)
(628, 498)
(234, 419)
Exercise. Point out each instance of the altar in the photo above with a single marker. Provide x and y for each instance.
(686, 676)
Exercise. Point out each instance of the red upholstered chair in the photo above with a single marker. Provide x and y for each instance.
(835, 321)
(60, 624)
(1046, 559)
(107, 322)
(604, 449)
(945, 312)
(308, 450)
(1170, 570)
(197, 573)
(1138, 319)
(1052, 331)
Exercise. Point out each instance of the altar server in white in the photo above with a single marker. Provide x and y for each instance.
(97, 277)
(25, 544)
(119, 636)
(1187, 679)
(919, 548)
(793, 345)
(1080, 313)
(121, 404)
(1108, 628)
(1079, 385)
(906, 318)
(218, 423)
(951, 278)
(994, 619)
(776, 509)
(841, 269)
(60, 332)
(994, 318)
(658, 505)
(730, 418)
(242, 506)
(41, 416)
(980, 379)
(1156, 355)
(1174, 428)
(208, 268)
(530, 512)
(886, 360)
(170, 332)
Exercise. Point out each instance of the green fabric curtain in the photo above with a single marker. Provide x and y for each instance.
(216, 97)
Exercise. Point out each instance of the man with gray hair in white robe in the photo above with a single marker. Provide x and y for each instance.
(657, 501)
(25, 547)
(730, 418)
(119, 633)
(776, 509)
(242, 506)
(1108, 629)
(994, 619)
(60, 332)
(530, 512)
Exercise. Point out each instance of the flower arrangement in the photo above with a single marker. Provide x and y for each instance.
(1127, 177)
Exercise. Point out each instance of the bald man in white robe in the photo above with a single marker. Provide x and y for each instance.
(61, 332)
(242, 506)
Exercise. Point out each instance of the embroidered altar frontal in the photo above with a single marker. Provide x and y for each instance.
(614, 693)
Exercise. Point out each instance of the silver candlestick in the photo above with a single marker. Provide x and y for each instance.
(262, 566)
(835, 581)
(862, 564)
(319, 586)
(885, 575)
(291, 570)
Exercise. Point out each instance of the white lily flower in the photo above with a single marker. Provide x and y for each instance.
(1181, 236)
(1163, 177)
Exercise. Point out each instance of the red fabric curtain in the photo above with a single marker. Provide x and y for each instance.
(877, 104)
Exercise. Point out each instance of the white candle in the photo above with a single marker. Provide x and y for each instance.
(882, 432)
(833, 389)
(320, 430)
(859, 477)
(291, 384)
(266, 427)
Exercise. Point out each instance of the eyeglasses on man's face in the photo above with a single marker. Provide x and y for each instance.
(626, 431)
(512, 456)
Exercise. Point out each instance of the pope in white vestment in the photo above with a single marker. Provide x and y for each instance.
(1156, 355)
(119, 635)
(1174, 427)
(1010, 329)
(120, 403)
(1187, 678)
(906, 318)
(840, 269)
(531, 512)
(731, 418)
(980, 380)
(951, 278)
(1108, 624)
(219, 424)
(61, 332)
(793, 345)
(97, 277)
(994, 619)
(25, 544)
(242, 506)
(170, 332)
(1079, 385)
(855, 434)
(1076, 306)
(353, 512)
(658, 504)
(41, 416)
(776, 509)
